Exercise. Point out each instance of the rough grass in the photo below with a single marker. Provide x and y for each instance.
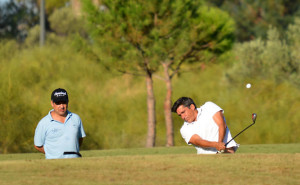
(266, 164)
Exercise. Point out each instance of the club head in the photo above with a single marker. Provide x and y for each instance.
(254, 117)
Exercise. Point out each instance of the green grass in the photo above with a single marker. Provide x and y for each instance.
(252, 164)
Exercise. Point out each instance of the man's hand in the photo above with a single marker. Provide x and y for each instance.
(40, 149)
(220, 146)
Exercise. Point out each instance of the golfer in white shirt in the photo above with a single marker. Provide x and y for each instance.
(205, 127)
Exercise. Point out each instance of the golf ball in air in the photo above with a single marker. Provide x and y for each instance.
(248, 85)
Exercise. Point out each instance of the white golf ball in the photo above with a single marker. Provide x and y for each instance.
(248, 85)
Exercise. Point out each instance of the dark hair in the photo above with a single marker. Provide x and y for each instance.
(185, 101)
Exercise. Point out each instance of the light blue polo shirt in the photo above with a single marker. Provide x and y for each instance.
(57, 137)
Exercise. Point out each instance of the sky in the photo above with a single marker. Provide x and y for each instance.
(2, 1)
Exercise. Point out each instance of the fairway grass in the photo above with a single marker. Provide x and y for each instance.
(266, 164)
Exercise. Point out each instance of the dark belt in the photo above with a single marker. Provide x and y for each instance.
(70, 153)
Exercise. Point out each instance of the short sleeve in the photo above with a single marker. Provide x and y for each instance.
(212, 108)
(81, 131)
(186, 135)
(39, 136)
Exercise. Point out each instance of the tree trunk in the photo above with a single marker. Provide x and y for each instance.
(151, 112)
(76, 7)
(42, 24)
(167, 108)
(77, 4)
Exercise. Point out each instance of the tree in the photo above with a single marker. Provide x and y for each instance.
(15, 20)
(50, 5)
(209, 33)
(17, 17)
(42, 23)
(139, 37)
(253, 17)
(275, 58)
(65, 22)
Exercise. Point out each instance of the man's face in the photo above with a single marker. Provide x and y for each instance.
(60, 108)
(187, 114)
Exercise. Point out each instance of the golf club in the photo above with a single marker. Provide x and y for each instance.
(254, 116)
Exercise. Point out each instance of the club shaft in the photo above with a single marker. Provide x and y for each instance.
(239, 134)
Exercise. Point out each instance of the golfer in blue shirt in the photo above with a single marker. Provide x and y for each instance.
(60, 133)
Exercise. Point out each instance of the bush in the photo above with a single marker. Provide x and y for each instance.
(7, 50)
(33, 37)
(64, 22)
(16, 113)
(274, 59)
(293, 34)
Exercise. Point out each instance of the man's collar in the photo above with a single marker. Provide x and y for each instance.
(199, 113)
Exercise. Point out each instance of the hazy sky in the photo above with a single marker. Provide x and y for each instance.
(1, 1)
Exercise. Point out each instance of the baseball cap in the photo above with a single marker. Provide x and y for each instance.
(59, 95)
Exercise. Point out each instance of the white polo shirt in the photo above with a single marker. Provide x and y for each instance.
(206, 128)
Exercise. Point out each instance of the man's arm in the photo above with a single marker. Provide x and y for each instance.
(198, 141)
(40, 149)
(220, 121)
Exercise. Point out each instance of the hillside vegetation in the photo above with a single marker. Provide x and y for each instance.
(113, 106)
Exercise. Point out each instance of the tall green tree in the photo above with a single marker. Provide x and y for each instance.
(140, 37)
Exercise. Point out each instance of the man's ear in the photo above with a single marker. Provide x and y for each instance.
(192, 106)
